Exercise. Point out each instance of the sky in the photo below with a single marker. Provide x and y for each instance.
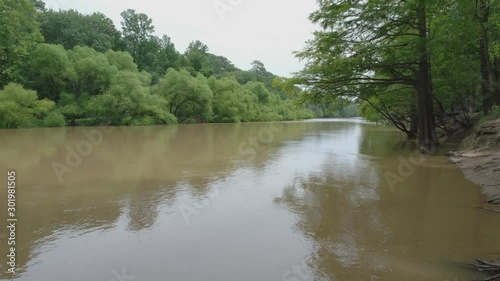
(240, 30)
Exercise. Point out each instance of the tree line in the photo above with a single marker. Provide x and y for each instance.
(416, 64)
(60, 68)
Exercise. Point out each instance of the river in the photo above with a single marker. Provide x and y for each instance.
(293, 201)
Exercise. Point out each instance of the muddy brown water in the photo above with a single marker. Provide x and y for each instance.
(296, 201)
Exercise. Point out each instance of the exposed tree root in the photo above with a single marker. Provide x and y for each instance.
(490, 267)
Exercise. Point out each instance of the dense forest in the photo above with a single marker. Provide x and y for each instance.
(60, 68)
(415, 64)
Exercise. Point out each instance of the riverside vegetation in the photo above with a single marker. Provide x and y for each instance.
(416, 64)
(61, 68)
(429, 68)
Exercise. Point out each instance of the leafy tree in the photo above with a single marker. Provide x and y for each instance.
(196, 56)
(137, 28)
(19, 34)
(39, 5)
(82, 67)
(150, 53)
(71, 28)
(73, 108)
(367, 47)
(268, 102)
(127, 101)
(197, 46)
(121, 60)
(51, 69)
(396, 105)
(54, 119)
(189, 98)
(219, 65)
(93, 72)
(258, 67)
(261, 73)
(489, 59)
(456, 71)
(168, 56)
(101, 33)
(229, 104)
(21, 108)
(260, 90)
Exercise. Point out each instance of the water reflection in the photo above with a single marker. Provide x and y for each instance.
(133, 174)
(361, 229)
(222, 202)
(337, 210)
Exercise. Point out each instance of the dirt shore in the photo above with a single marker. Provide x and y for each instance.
(479, 157)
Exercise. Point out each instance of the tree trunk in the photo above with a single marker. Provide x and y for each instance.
(414, 121)
(496, 80)
(427, 136)
(486, 73)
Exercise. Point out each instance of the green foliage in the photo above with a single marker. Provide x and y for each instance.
(72, 107)
(150, 53)
(168, 55)
(19, 34)
(21, 108)
(259, 89)
(137, 28)
(51, 69)
(339, 108)
(54, 119)
(121, 60)
(87, 73)
(92, 70)
(406, 62)
(228, 102)
(195, 59)
(188, 98)
(456, 71)
(367, 111)
(128, 100)
(71, 29)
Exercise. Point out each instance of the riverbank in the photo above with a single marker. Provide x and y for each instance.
(479, 157)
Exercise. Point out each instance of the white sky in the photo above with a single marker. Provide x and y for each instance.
(265, 30)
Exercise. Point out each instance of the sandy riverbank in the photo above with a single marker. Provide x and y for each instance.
(479, 157)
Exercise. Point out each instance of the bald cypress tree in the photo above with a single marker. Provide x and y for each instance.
(366, 48)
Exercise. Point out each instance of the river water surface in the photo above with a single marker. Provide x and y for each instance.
(316, 200)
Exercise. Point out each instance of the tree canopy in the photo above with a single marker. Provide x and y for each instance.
(396, 58)
(86, 72)
(19, 34)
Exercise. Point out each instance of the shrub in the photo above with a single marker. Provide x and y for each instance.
(54, 119)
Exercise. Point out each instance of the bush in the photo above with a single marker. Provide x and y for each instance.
(21, 108)
(54, 119)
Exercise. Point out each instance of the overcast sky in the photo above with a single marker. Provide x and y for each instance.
(241, 30)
